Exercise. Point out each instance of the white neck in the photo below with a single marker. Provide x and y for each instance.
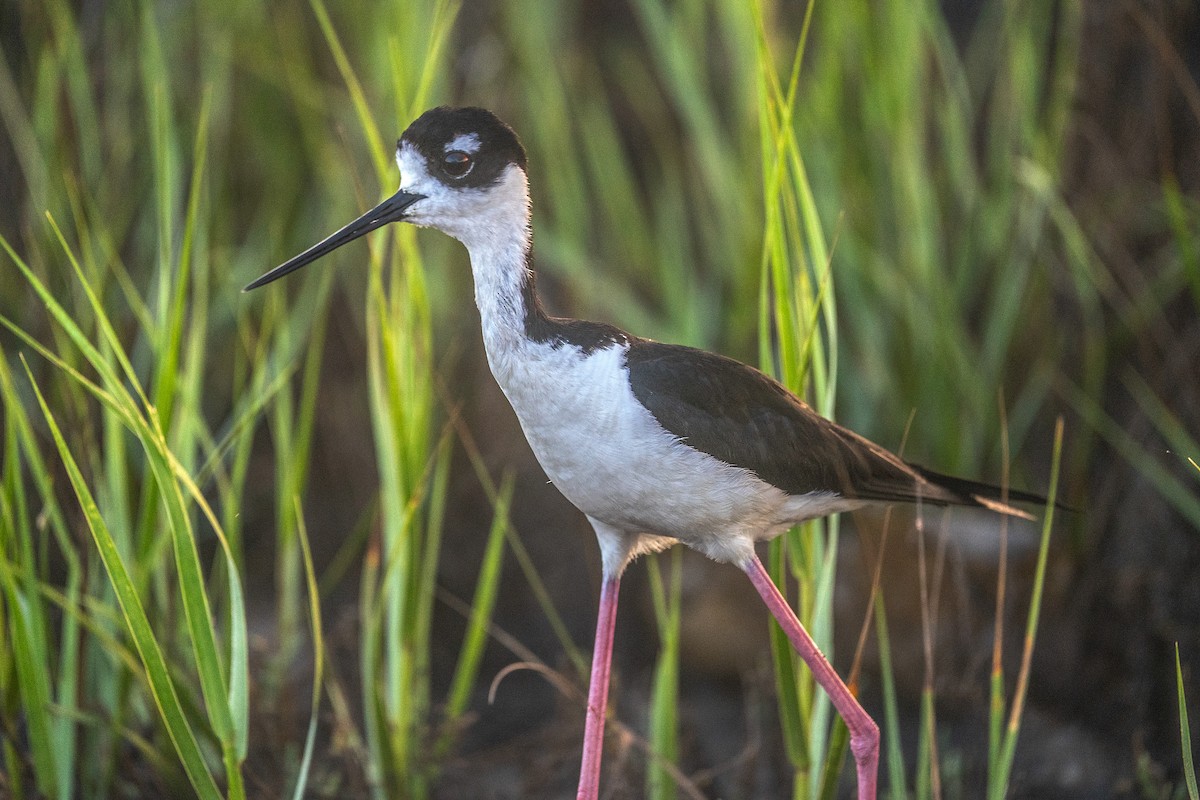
(502, 277)
(494, 224)
(498, 237)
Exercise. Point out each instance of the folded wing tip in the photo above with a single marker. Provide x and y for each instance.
(1002, 508)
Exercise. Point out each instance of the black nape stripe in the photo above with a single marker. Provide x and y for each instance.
(556, 331)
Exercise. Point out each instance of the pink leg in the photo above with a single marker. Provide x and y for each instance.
(864, 734)
(593, 734)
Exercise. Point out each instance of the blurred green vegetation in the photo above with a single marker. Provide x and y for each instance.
(923, 253)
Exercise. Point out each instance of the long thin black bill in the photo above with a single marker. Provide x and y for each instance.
(390, 210)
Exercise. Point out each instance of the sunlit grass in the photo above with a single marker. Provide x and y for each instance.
(222, 676)
(399, 585)
(150, 515)
(937, 263)
(798, 342)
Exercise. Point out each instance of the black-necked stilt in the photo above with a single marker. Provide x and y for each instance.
(655, 443)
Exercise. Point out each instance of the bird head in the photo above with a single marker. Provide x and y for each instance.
(462, 171)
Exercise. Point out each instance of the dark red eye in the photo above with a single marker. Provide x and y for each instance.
(456, 163)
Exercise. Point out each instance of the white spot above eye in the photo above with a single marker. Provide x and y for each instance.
(466, 142)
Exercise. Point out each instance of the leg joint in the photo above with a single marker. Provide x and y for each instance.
(864, 742)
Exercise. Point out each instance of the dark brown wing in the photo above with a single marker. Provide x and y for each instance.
(743, 417)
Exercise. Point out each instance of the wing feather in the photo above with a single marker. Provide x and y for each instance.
(743, 417)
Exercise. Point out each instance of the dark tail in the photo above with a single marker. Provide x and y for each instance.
(986, 494)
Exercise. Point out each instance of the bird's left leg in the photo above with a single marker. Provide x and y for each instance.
(864, 733)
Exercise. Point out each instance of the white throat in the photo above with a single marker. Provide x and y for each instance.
(494, 224)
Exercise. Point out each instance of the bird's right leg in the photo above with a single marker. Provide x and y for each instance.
(593, 734)
(864, 733)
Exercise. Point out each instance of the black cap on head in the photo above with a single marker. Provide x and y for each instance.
(497, 145)
(462, 147)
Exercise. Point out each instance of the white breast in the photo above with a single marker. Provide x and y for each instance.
(609, 456)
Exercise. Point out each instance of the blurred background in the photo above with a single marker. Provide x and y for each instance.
(1009, 194)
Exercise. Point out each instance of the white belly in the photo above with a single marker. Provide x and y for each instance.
(609, 456)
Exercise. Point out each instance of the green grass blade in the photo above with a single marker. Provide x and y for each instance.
(1167, 422)
(318, 645)
(238, 690)
(926, 778)
(157, 672)
(434, 499)
(796, 342)
(835, 760)
(238, 669)
(998, 778)
(67, 687)
(366, 120)
(213, 681)
(30, 659)
(893, 755)
(664, 697)
(1185, 226)
(65, 320)
(487, 588)
(369, 652)
(192, 590)
(1185, 732)
(292, 430)
(23, 137)
(440, 27)
(51, 737)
